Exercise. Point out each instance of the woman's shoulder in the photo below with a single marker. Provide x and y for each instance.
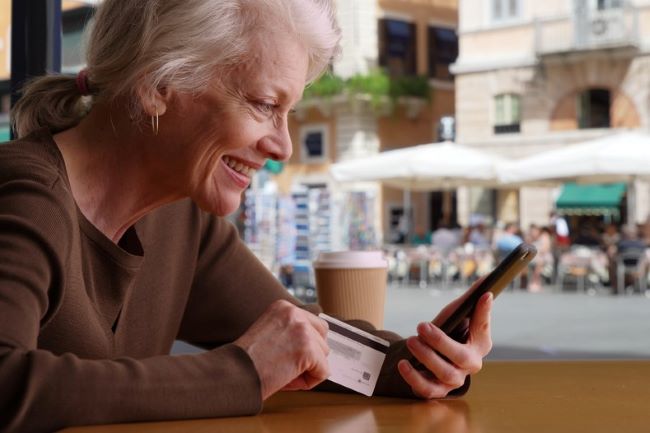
(33, 185)
(32, 158)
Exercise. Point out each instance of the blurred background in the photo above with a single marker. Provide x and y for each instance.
(446, 133)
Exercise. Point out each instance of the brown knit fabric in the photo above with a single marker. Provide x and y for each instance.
(86, 325)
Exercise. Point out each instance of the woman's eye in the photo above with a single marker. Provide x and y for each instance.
(265, 107)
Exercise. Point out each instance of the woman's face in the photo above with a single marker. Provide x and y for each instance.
(229, 131)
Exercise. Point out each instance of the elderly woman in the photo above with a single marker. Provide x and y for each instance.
(112, 241)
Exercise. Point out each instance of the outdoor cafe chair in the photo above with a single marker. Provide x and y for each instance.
(631, 265)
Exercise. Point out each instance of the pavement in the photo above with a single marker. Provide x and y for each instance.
(535, 326)
(547, 325)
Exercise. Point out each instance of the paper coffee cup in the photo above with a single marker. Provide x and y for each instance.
(352, 285)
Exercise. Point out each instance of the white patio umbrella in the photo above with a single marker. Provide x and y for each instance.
(621, 157)
(424, 167)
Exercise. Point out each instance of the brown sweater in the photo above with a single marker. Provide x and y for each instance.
(86, 325)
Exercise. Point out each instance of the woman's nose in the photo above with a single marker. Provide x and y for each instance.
(278, 146)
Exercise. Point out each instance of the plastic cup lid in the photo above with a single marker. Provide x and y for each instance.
(351, 260)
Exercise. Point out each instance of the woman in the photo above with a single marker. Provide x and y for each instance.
(541, 238)
(112, 241)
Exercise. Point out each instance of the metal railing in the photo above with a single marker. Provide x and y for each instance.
(610, 28)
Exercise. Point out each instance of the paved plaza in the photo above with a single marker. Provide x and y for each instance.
(546, 325)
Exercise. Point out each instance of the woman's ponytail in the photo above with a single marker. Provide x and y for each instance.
(53, 102)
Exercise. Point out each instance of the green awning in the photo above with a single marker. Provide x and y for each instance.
(600, 199)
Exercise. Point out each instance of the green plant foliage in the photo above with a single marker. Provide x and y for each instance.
(377, 84)
(327, 85)
(410, 86)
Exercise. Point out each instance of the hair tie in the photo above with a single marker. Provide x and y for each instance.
(82, 83)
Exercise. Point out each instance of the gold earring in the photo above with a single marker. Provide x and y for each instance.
(154, 123)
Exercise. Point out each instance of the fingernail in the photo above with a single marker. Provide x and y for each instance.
(411, 341)
(426, 328)
(405, 366)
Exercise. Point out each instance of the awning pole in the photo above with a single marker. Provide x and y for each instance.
(631, 204)
(407, 213)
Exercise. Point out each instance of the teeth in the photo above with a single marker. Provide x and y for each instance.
(239, 167)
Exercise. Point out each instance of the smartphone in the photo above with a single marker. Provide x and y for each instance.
(497, 280)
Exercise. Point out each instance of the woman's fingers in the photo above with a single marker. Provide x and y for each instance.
(444, 371)
(446, 360)
(479, 326)
(431, 339)
(424, 387)
(288, 348)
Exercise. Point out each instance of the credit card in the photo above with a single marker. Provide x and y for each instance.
(355, 357)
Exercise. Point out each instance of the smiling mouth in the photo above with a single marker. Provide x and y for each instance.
(239, 166)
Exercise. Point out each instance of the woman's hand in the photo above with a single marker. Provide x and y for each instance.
(431, 346)
(288, 347)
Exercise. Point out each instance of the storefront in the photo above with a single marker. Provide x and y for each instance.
(594, 204)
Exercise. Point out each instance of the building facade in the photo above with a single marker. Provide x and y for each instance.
(411, 41)
(533, 76)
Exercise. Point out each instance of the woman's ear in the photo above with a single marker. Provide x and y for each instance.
(154, 101)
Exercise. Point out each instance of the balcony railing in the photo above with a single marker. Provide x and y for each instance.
(611, 28)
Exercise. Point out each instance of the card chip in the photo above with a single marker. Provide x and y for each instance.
(366, 375)
(344, 350)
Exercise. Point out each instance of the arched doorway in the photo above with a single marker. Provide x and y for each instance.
(594, 107)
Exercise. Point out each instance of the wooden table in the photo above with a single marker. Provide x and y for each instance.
(506, 397)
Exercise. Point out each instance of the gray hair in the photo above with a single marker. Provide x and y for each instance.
(179, 44)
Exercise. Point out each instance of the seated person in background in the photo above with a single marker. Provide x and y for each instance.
(630, 245)
(588, 236)
(478, 236)
(445, 239)
(113, 238)
(629, 251)
(541, 238)
(610, 238)
(508, 241)
(421, 236)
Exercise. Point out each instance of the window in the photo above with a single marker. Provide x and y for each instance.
(602, 5)
(447, 128)
(443, 51)
(594, 109)
(504, 10)
(507, 113)
(73, 23)
(314, 143)
(397, 47)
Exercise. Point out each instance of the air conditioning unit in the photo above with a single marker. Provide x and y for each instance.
(606, 27)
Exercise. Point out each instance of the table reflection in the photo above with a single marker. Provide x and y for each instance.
(348, 414)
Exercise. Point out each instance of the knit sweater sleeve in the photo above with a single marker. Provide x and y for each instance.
(231, 289)
(43, 390)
